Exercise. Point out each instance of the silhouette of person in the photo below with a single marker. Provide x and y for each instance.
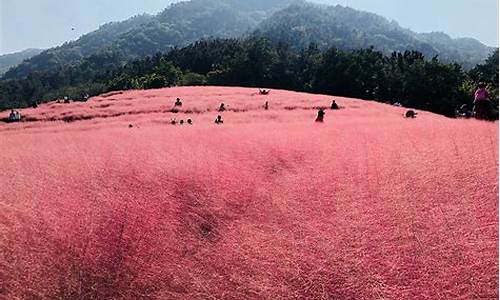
(411, 114)
(222, 107)
(266, 106)
(178, 102)
(219, 120)
(190, 122)
(334, 105)
(12, 115)
(321, 115)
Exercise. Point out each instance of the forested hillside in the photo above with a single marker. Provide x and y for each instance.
(346, 28)
(293, 22)
(178, 25)
(405, 77)
(8, 61)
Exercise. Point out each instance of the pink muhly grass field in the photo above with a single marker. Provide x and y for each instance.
(270, 205)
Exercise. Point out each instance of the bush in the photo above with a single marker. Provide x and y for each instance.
(191, 78)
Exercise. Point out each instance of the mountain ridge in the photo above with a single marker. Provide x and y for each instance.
(10, 60)
(188, 21)
(179, 24)
(348, 29)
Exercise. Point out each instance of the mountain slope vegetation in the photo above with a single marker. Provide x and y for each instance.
(292, 21)
(178, 25)
(8, 61)
(347, 28)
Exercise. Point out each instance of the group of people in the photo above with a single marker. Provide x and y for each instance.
(14, 116)
(482, 108)
(181, 122)
(321, 112)
(222, 108)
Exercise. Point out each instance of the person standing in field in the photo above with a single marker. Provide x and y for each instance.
(321, 115)
(482, 103)
(334, 105)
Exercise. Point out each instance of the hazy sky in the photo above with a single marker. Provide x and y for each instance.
(47, 23)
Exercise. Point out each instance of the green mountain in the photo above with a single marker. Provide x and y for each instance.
(346, 28)
(178, 25)
(8, 61)
(294, 22)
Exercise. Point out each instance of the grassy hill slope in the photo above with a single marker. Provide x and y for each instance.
(269, 205)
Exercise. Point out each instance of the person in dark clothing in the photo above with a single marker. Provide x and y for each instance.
(410, 114)
(190, 122)
(334, 105)
(219, 120)
(321, 115)
(266, 106)
(178, 102)
(222, 107)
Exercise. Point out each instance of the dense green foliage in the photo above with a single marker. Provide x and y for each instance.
(178, 25)
(405, 77)
(488, 73)
(293, 22)
(346, 29)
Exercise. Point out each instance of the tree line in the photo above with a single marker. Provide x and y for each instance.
(406, 77)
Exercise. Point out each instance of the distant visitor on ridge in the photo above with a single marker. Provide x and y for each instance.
(410, 114)
(264, 91)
